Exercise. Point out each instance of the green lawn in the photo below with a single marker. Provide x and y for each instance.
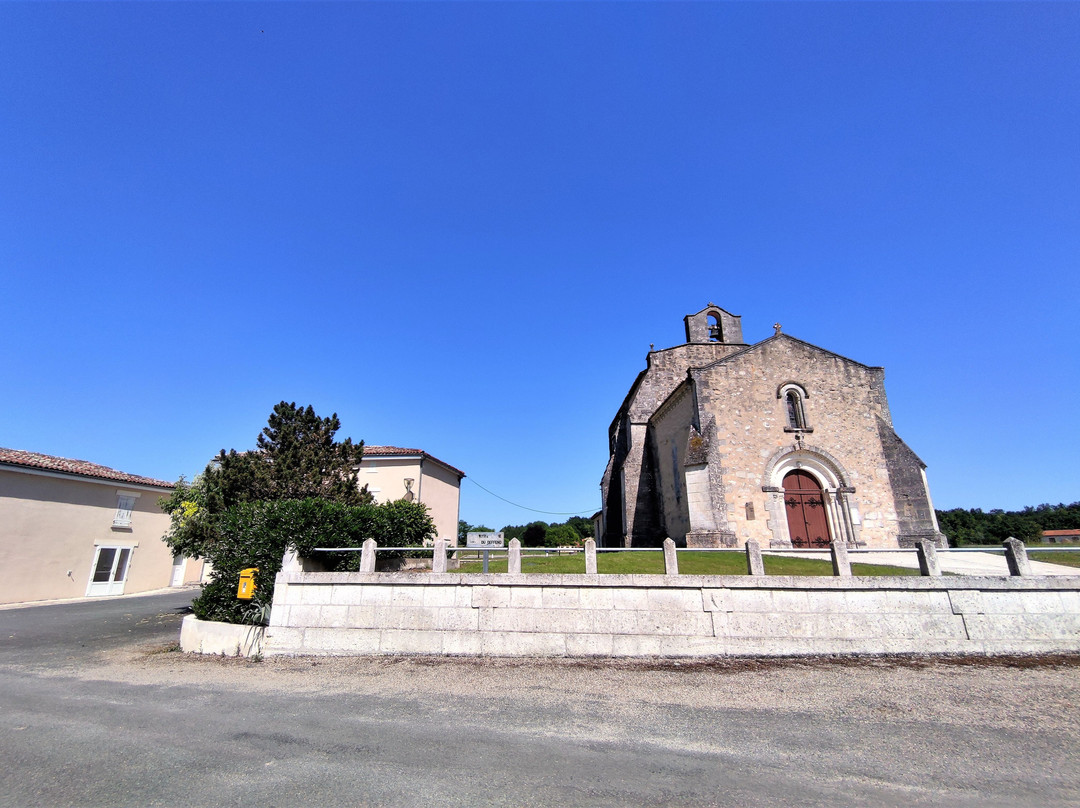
(690, 563)
(1065, 559)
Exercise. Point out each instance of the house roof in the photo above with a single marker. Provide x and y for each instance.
(398, 451)
(1073, 532)
(79, 468)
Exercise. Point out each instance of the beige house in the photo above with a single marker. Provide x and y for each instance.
(392, 473)
(72, 529)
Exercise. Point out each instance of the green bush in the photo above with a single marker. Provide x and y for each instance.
(257, 534)
(562, 536)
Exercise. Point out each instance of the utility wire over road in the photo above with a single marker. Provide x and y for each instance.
(582, 512)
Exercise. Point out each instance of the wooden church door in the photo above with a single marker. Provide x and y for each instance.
(805, 505)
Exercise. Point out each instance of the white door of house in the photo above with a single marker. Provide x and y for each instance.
(177, 570)
(109, 572)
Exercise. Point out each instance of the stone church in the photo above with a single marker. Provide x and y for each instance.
(782, 442)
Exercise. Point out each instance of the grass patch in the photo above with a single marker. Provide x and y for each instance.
(789, 565)
(690, 563)
(882, 569)
(1065, 559)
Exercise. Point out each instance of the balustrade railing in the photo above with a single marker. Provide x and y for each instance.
(839, 554)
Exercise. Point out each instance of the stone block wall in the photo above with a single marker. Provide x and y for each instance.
(670, 430)
(668, 616)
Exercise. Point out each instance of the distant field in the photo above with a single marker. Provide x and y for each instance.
(690, 563)
(1065, 559)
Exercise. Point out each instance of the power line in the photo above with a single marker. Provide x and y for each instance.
(526, 507)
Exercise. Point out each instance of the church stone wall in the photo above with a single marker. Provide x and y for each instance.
(667, 370)
(670, 431)
(915, 512)
(844, 402)
(631, 469)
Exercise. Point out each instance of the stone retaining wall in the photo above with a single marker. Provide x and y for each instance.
(223, 639)
(667, 615)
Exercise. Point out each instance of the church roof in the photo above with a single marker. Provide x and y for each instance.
(776, 337)
(712, 306)
(77, 468)
(398, 451)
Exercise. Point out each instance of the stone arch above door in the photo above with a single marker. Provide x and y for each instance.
(817, 461)
(835, 485)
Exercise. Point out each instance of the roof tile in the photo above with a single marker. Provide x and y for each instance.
(81, 468)
(394, 451)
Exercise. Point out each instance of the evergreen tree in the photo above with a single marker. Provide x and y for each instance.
(299, 458)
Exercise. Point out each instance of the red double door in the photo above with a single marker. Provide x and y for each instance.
(805, 504)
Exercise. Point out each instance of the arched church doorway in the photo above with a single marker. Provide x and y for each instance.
(804, 502)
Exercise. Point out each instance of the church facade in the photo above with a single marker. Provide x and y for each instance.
(782, 442)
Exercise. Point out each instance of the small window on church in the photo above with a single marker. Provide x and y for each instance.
(794, 396)
(795, 415)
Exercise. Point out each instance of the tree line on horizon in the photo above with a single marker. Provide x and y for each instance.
(571, 533)
(974, 526)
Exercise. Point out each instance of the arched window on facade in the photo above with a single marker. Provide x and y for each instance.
(794, 395)
(795, 415)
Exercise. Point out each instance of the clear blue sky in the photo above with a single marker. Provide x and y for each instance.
(460, 226)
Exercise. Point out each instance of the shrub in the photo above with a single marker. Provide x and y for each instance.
(534, 535)
(257, 534)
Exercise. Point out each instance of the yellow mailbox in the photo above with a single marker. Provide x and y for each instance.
(246, 590)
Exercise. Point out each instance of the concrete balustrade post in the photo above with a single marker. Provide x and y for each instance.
(671, 561)
(291, 561)
(438, 558)
(755, 565)
(367, 555)
(590, 557)
(928, 560)
(841, 566)
(513, 558)
(1016, 557)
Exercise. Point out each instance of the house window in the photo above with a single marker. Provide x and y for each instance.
(125, 504)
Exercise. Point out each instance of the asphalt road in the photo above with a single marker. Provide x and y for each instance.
(68, 633)
(96, 709)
